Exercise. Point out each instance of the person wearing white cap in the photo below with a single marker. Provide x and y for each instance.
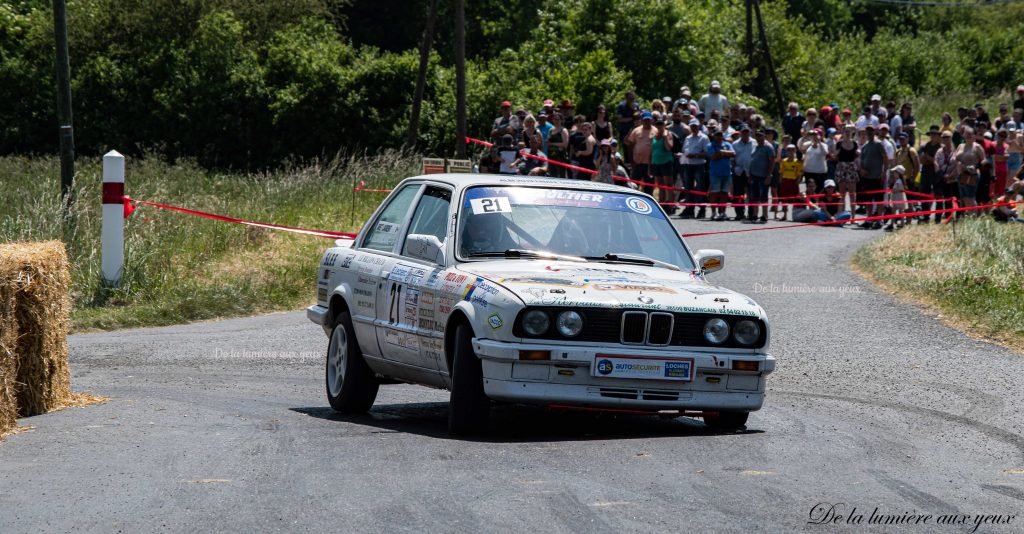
(896, 198)
(713, 100)
(877, 109)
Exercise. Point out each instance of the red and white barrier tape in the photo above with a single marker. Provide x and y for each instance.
(361, 188)
(304, 231)
(950, 211)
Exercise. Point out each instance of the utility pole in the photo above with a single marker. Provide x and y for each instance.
(460, 78)
(780, 109)
(421, 79)
(750, 35)
(67, 136)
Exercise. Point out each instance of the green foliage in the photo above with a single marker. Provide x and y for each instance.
(181, 268)
(243, 84)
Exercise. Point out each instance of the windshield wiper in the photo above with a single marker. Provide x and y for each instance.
(525, 253)
(638, 259)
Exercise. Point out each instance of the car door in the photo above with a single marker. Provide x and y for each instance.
(373, 263)
(399, 330)
(431, 217)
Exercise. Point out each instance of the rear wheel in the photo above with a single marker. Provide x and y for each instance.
(351, 385)
(469, 406)
(727, 420)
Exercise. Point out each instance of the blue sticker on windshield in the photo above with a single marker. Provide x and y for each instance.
(537, 196)
(639, 205)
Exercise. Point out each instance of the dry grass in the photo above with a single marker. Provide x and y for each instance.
(180, 268)
(34, 317)
(967, 275)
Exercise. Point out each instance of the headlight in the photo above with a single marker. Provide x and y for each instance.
(746, 332)
(535, 322)
(716, 331)
(569, 324)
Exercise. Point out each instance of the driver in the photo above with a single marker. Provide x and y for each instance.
(485, 233)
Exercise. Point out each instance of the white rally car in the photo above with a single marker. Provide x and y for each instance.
(543, 291)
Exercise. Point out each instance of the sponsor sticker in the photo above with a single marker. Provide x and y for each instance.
(639, 205)
(495, 321)
(651, 288)
(712, 263)
(677, 369)
(537, 196)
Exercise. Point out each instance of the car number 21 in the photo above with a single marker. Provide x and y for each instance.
(490, 205)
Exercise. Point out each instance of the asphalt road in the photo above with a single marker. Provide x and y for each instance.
(223, 426)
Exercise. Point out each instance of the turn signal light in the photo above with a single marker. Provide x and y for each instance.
(743, 365)
(535, 355)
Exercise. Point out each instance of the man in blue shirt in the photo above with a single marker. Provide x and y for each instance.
(720, 153)
(544, 126)
(744, 148)
(762, 162)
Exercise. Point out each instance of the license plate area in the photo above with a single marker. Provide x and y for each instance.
(642, 367)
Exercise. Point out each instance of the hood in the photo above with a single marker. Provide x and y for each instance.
(615, 285)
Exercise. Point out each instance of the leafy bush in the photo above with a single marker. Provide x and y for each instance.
(241, 84)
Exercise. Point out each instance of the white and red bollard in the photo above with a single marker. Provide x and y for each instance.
(112, 233)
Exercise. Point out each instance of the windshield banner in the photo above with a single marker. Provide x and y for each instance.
(481, 200)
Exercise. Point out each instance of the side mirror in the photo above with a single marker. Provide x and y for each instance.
(425, 247)
(710, 260)
(344, 243)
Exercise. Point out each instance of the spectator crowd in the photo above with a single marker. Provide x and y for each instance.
(700, 156)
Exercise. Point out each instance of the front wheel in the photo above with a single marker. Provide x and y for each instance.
(351, 385)
(469, 406)
(727, 420)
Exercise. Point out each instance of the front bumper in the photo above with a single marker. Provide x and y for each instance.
(318, 314)
(567, 379)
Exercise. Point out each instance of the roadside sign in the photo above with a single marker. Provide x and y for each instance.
(433, 165)
(460, 165)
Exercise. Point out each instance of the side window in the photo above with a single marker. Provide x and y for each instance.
(431, 216)
(384, 233)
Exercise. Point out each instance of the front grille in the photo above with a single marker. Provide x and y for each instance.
(609, 325)
(659, 332)
(634, 327)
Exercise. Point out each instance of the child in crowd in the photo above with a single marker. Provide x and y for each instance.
(506, 155)
(896, 199)
(605, 162)
(791, 170)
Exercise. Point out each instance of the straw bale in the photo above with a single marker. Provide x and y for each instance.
(8, 363)
(34, 318)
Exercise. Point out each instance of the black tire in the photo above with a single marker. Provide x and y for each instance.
(727, 420)
(357, 388)
(469, 407)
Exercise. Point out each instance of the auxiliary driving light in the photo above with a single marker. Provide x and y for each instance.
(744, 365)
(535, 355)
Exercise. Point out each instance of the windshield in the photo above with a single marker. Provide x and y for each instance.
(496, 220)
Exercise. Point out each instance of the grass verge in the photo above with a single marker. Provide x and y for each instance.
(181, 268)
(970, 273)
